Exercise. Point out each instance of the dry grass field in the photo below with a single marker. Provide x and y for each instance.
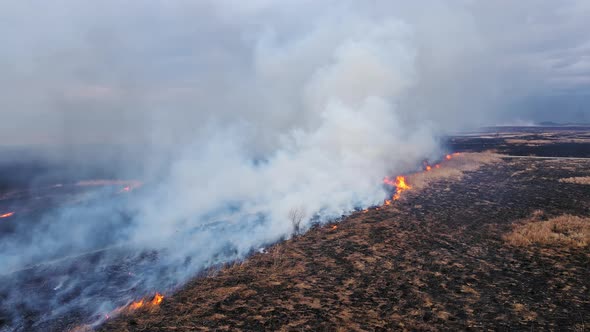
(491, 243)
(577, 180)
(564, 230)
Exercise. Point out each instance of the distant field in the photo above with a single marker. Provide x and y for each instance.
(538, 141)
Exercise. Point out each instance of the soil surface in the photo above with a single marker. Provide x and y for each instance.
(564, 141)
(434, 260)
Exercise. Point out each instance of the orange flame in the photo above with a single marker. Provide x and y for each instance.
(334, 227)
(136, 305)
(400, 185)
(158, 298)
(6, 215)
(400, 181)
(156, 301)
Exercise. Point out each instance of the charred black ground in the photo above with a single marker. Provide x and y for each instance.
(559, 141)
(435, 260)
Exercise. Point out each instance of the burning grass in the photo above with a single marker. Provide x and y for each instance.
(430, 262)
(433, 262)
(565, 230)
(144, 304)
(400, 184)
(450, 168)
(6, 215)
(453, 168)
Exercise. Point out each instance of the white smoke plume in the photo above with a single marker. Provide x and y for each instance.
(349, 138)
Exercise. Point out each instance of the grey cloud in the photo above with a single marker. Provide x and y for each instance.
(98, 64)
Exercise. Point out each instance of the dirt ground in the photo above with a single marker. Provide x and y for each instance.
(437, 259)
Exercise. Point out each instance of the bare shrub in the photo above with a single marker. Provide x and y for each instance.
(296, 216)
(277, 255)
(565, 230)
(576, 180)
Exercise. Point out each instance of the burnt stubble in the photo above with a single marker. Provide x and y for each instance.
(436, 259)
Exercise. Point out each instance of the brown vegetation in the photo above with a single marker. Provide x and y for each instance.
(576, 180)
(436, 259)
(565, 230)
(534, 142)
(453, 169)
(432, 261)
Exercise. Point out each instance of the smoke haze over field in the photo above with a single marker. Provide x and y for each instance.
(240, 111)
(156, 71)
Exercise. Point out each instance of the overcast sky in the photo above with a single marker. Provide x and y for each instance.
(143, 71)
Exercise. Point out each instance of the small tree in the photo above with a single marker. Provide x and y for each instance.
(296, 216)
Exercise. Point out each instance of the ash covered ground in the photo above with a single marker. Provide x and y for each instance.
(435, 260)
(438, 258)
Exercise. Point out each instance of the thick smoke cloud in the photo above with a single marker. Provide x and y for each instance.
(324, 129)
(239, 112)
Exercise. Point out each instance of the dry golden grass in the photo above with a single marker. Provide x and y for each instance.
(420, 180)
(524, 312)
(576, 180)
(532, 142)
(565, 230)
(453, 169)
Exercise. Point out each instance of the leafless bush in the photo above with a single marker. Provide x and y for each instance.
(276, 254)
(296, 216)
